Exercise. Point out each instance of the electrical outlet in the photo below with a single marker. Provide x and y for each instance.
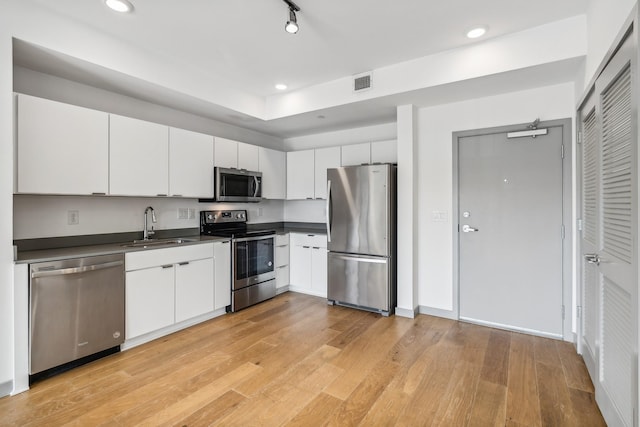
(183, 213)
(260, 211)
(73, 217)
(192, 213)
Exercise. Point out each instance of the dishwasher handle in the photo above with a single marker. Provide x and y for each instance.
(75, 270)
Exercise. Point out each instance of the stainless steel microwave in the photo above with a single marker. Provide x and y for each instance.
(237, 185)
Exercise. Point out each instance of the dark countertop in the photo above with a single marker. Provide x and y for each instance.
(53, 254)
(56, 248)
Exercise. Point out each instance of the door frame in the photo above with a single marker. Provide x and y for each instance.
(568, 244)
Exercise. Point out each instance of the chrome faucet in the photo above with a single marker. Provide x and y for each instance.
(146, 232)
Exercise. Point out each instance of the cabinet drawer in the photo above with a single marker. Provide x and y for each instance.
(282, 255)
(311, 240)
(282, 276)
(282, 239)
(157, 257)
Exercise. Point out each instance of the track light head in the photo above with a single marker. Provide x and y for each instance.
(291, 26)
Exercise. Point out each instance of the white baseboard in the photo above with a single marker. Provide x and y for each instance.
(406, 312)
(437, 312)
(6, 388)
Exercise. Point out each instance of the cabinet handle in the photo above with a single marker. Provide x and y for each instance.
(310, 198)
(306, 247)
(175, 195)
(316, 247)
(184, 263)
(98, 194)
(311, 235)
(225, 242)
(161, 195)
(167, 266)
(282, 246)
(282, 266)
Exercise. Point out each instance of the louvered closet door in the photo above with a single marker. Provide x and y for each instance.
(590, 244)
(609, 204)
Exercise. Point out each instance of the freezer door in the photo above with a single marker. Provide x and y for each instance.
(359, 209)
(359, 280)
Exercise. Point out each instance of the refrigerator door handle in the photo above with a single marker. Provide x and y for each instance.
(363, 259)
(329, 207)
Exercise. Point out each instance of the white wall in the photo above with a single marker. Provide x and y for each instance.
(6, 211)
(435, 128)
(356, 135)
(605, 19)
(46, 216)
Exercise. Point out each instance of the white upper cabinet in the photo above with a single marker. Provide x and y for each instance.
(190, 164)
(356, 154)
(300, 175)
(248, 157)
(138, 157)
(62, 149)
(234, 154)
(226, 153)
(384, 151)
(325, 158)
(274, 173)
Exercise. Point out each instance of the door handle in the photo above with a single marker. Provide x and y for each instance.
(592, 258)
(467, 229)
(328, 210)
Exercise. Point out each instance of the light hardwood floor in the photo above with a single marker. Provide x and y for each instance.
(295, 361)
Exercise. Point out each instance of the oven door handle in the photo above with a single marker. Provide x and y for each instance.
(248, 239)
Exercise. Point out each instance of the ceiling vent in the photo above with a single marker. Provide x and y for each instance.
(362, 82)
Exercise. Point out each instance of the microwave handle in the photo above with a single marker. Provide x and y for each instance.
(257, 184)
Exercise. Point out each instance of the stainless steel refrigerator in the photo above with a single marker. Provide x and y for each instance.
(361, 237)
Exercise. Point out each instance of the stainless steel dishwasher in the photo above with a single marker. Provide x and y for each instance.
(76, 309)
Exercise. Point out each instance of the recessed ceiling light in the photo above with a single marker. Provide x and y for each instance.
(123, 6)
(476, 32)
(281, 86)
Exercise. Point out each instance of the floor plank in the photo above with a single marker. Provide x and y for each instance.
(294, 360)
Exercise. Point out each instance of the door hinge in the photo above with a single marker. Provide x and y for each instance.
(563, 310)
(579, 224)
(562, 231)
(562, 151)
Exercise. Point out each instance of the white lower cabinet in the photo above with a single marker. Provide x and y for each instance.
(150, 300)
(308, 264)
(282, 262)
(165, 287)
(194, 288)
(222, 259)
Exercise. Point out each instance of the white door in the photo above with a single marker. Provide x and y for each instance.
(609, 238)
(510, 231)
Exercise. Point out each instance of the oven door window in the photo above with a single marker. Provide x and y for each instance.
(260, 256)
(254, 262)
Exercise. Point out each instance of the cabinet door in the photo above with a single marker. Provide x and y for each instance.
(319, 271)
(300, 267)
(149, 300)
(194, 288)
(325, 158)
(190, 164)
(384, 151)
(356, 154)
(282, 276)
(274, 176)
(226, 153)
(248, 157)
(300, 175)
(138, 157)
(62, 149)
(222, 257)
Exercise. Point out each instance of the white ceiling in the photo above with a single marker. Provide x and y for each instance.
(243, 43)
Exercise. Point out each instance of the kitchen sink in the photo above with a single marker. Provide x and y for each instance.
(152, 243)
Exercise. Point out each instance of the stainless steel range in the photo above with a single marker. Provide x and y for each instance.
(252, 256)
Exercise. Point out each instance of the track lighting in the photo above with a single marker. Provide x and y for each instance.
(291, 26)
